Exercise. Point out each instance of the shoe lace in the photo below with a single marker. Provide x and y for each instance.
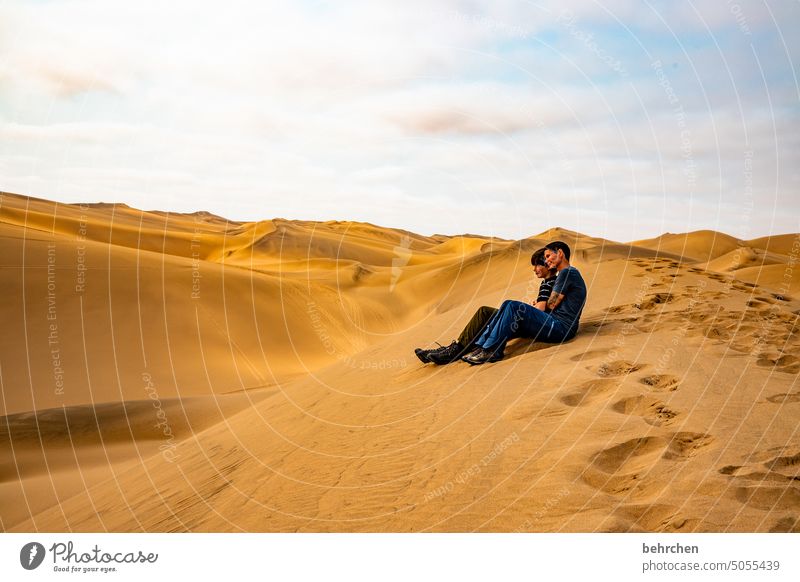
(445, 350)
(448, 346)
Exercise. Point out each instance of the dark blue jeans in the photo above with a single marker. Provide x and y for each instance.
(517, 319)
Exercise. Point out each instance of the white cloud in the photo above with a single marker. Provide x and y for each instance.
(438, 118)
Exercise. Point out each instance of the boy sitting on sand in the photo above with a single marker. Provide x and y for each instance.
(554, 319)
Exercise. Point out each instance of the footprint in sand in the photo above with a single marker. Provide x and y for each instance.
(652, 411)
(660, 382)
(741, 345)
(775, 331)
(600, 328)
(785, 363)
(780, 469)
(616, 368)
(769, 498)
(642, 467)
(717, 277)
(786, 398)
(787, 465)
(652, 517)
(758, 304)
(745, 328)
(588, 355)
(788, 524)
(699, 315)
(715, 295)
(716, 332)
(589, 392)
(651, 301)
(671, 317)
(768, 482)
(687, 444)
(655, 268)
(621, 469)
(653, 321)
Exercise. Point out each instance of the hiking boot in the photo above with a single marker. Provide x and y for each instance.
(447, 354)
(471, 353)
(425, 355)
(481, 356)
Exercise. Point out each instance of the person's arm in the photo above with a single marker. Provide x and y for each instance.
(560, 289)
(555, 300)
(545, 288)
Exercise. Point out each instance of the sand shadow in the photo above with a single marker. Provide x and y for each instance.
(517, 347)
(521, 346)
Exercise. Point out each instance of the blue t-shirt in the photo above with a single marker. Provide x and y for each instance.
(570, 283)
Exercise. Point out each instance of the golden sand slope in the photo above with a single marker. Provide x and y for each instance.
(224, 376)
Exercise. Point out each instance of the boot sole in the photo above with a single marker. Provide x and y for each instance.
(443, 362)
(420, 353)
(491, 360)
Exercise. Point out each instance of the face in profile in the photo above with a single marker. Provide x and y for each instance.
(553, 258)
(541, 271)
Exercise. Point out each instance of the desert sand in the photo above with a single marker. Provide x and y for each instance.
(182, 372)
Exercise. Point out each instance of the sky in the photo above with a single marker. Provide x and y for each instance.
(619, 119)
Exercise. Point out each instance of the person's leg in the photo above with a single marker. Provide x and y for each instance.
(552, 331)
(490, 329)
(475, 326)
(464, 343)
(517, 319)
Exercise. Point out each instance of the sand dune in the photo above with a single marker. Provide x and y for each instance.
(783, 244)
(279, 356)
(701, 245)
(742, 258)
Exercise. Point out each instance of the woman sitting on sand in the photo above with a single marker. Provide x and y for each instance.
(477, 325)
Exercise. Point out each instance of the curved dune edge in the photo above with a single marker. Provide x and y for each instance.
(280, 356)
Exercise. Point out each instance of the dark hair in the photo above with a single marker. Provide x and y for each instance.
(558, 245)
(537, 258)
